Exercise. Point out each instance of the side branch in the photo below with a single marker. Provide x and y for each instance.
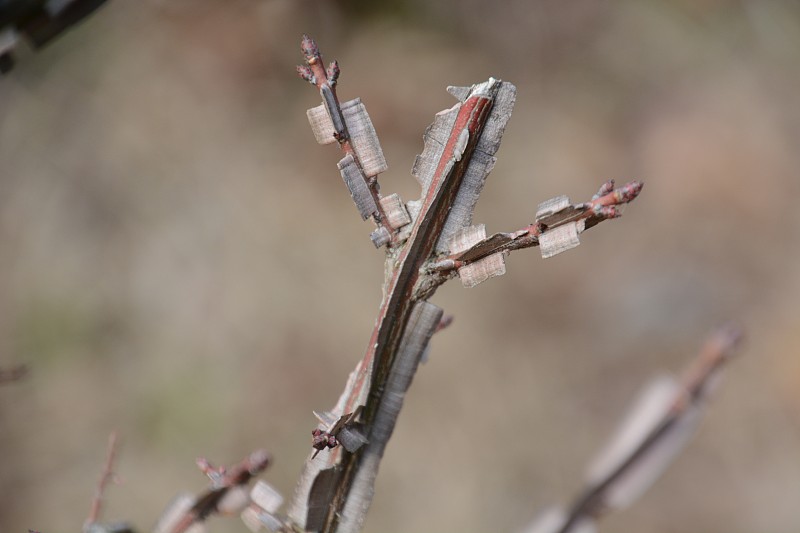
(360, 177)
(604, 205)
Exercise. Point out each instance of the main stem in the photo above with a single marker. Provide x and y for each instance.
(398, 304)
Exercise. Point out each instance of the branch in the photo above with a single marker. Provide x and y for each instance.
(650, 438)
(363, 159)
(604, 206)
(92, 523)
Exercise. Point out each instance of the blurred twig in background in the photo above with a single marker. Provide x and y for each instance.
(13, 373)
(106, 477)
(93, 523)
(657, 428)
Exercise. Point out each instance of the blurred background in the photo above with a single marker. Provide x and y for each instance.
(179, 260)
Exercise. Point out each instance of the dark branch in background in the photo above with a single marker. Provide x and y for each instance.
(15, 373)
(652, 435)
(428, 241)
(39, 21)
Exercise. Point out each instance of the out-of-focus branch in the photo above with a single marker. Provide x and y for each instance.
(93, 522)
(14, 373)
(106, 477)
(227, 494)
(653, 434)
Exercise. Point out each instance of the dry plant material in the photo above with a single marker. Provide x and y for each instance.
(427, 241)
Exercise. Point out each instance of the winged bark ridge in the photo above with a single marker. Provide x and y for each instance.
(422, 323)
(560, 238)
(263, 509)
(482, 269)
(457, 235)
(427, 241)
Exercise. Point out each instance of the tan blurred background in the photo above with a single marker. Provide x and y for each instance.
(179, 260)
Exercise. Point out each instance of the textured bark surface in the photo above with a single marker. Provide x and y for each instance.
(426, 244)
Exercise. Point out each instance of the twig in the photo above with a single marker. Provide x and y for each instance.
(325, 80)
(106, 476)
(593, 212)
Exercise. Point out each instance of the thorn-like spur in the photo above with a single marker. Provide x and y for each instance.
(338, 430)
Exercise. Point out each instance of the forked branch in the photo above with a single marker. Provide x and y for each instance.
(427, 241)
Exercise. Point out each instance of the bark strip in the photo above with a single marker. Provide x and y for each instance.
(422, 324)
